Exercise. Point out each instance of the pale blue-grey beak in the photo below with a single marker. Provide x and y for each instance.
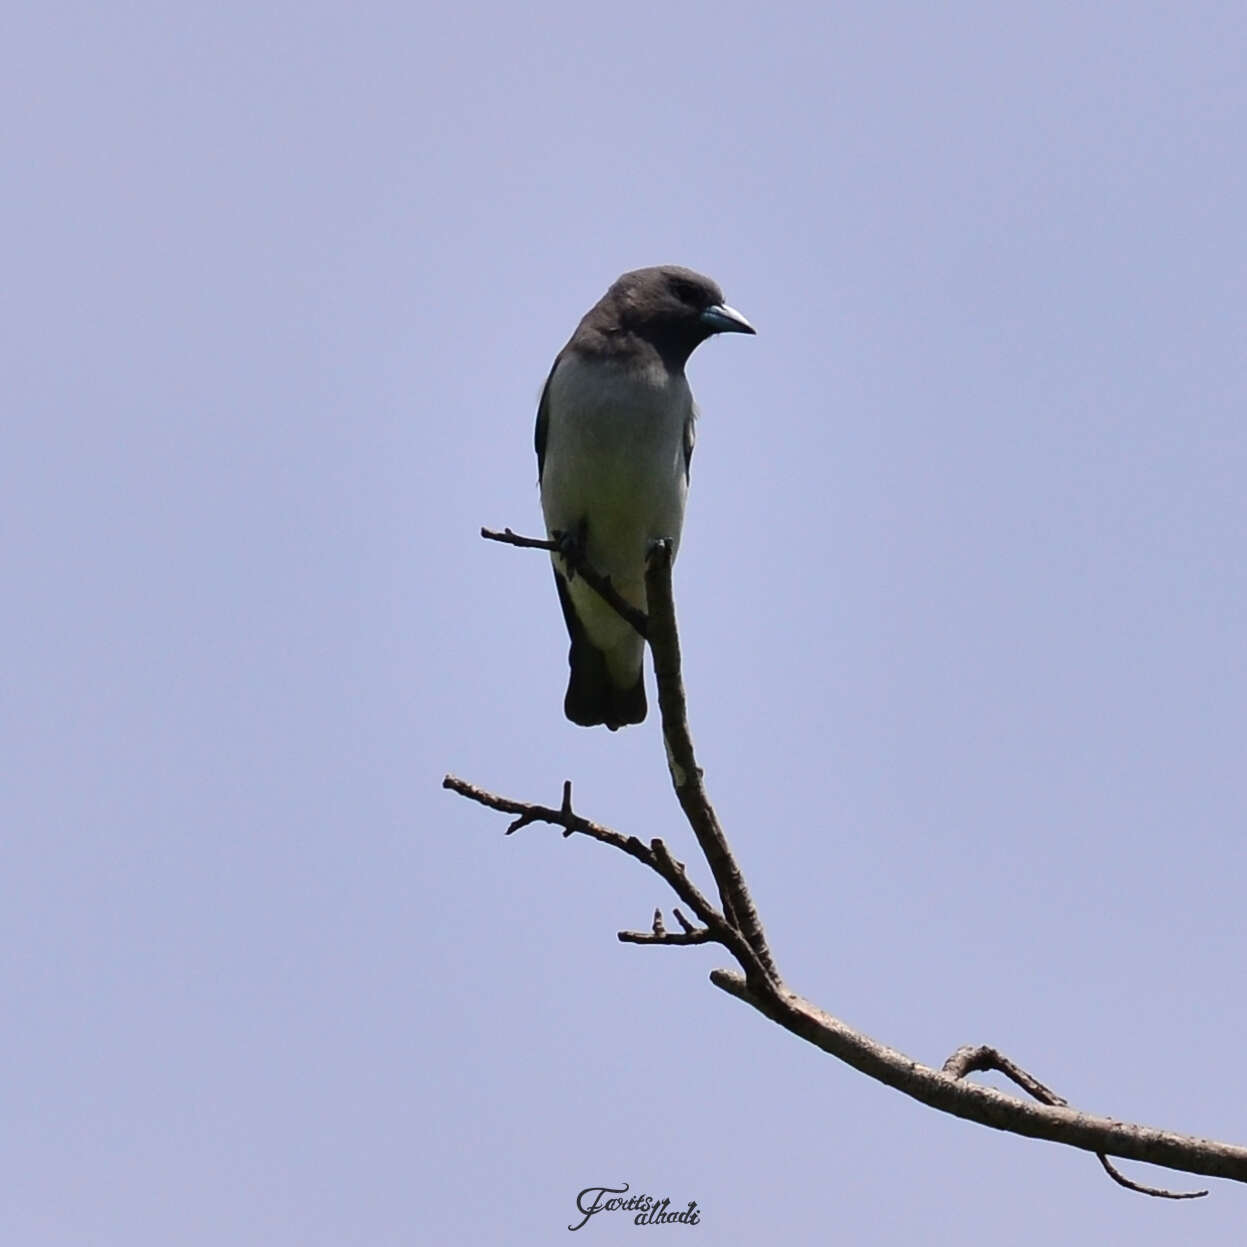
(719, 318)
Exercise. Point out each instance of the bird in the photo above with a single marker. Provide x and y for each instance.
(614, 441)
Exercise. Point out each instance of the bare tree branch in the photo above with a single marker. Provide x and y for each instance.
(654, 855)
(738, 928)
(686, 775)
(986, 1105)
(968, 1059)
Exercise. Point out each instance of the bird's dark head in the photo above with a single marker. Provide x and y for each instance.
(674, 308)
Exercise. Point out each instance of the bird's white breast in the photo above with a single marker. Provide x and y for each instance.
(615, 453)
(615, 456)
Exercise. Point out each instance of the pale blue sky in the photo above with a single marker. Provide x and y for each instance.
(962, 590)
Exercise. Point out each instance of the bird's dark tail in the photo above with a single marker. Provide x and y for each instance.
(592, 696)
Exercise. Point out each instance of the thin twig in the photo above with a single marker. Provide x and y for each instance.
(658, 933)
(1158, 1192)
(571, 553)
(970, 1059)
(507, 537)
(655, 855)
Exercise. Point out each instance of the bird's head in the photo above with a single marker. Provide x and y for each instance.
(674, 308)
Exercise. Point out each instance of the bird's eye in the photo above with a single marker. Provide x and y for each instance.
(686, 292)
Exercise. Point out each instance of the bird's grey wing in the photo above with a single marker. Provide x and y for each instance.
(543, 424)
(690, 438)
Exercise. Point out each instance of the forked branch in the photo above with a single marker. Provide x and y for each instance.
(736, 926)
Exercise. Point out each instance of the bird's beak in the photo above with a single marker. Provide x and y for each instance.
(719, 318)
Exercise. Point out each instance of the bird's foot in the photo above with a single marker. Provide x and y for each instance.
(571, 546)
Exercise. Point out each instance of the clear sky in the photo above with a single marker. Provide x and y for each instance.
(962, 590)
